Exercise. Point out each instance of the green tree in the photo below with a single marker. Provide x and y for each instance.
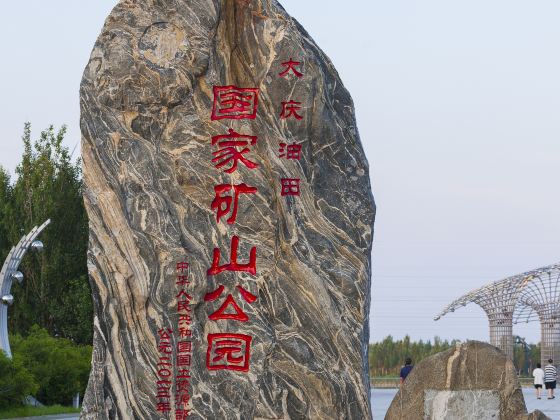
(526, 362)
(59, 366)
(388, 356)
(5, 211)
(16, 382)
(55, 293)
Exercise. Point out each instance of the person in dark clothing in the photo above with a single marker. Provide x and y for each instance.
(406, 369)
(550, 379)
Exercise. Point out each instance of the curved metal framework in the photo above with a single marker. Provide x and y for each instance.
(502, 300)
(540, 300)
(10, 273)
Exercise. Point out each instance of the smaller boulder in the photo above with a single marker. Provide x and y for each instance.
(536, 415)
(474, 380)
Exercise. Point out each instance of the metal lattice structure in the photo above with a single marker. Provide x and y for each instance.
(540, 300)
(498, 300)
(10, 273)
(524, 296)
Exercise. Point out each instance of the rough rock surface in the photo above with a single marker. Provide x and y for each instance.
(472, 380)
(536, 415)
(146, 101)
(472, 404)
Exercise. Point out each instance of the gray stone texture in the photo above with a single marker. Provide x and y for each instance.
(537, 415)
(472, 380)
(453, 405)
(146, 100)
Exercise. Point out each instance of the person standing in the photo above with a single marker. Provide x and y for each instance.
(406, 369)
(538, 374)
(550, 379)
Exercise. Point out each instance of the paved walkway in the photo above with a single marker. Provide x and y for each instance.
(549, 407)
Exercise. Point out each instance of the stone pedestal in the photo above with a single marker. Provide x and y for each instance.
(474, 380)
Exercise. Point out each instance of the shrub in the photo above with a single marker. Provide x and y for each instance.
(16, 382)
(60, 367)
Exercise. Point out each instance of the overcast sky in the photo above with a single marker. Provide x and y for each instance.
(458, 105)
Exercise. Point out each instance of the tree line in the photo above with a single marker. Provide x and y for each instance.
(51, 369)
(55, 293)
(387, 356)
(51, 320)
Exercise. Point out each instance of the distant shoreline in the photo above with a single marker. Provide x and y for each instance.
(394, 382)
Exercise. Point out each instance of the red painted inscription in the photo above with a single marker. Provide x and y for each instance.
(228, 351)
(290, 151)
(227, 150)
(233, 265)
(223, 204)
(231, 102)
(224, 312)
(291, 66)
(164, 371)
(290, 109)
(290, 186)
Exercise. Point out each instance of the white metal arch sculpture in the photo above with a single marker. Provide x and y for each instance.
(501, 301)
(540, 300)
(10, 273)
(498, 301)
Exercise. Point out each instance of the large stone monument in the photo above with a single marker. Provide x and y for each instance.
(474, 380)
(231, 218)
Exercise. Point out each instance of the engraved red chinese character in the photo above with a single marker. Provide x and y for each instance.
(183, 360)
(290, 109)
(290, 151)
(182, 266)
(291, 66)
(185, 333)
(227, 150)
(163, 389)
(233, 265)
(182, 400)
(183, 305)
(182, 281)
(163, 406)
(183, 386)
(185, 319)
(164, 345)
(290, 186)
(184, 347)
(183, 301)
(183, 295)
(231, 102)
(182, 414)
(165, 333)
(163, 393)
(227, 351)
(164, 367)
(223, 204)
(164, 361)
(222, 312)
(164, 373)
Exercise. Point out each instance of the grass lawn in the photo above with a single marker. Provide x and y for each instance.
(36, 411)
